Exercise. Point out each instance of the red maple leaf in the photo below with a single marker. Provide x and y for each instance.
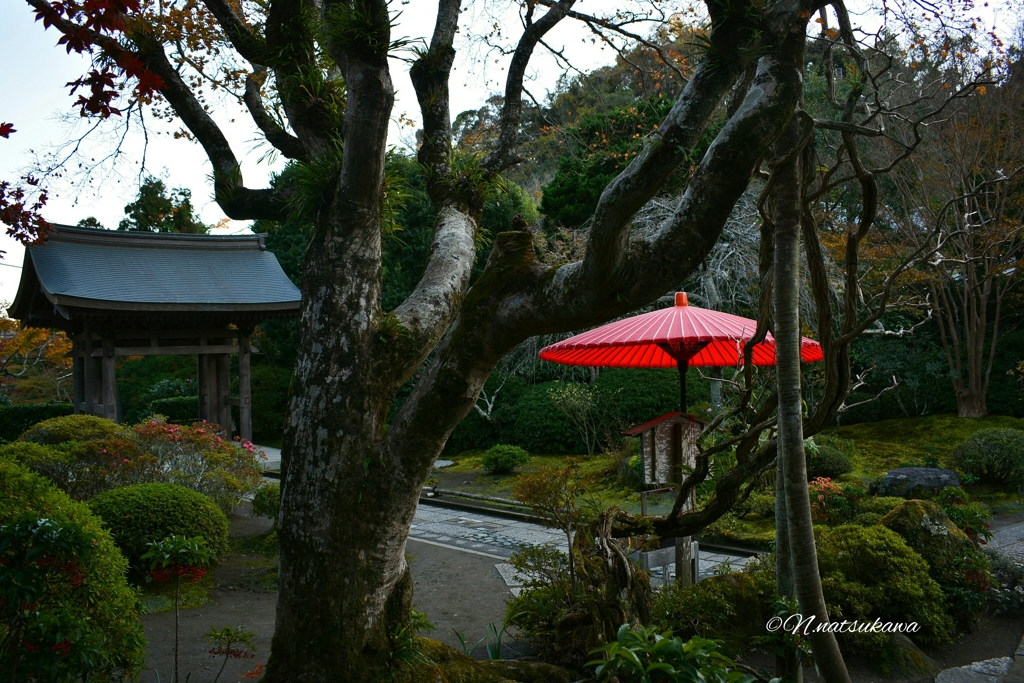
(6, 129)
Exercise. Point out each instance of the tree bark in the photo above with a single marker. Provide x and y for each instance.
(807, 582)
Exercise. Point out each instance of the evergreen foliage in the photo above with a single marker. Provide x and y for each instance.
(502, 459)
(156, 209)
(994, 456)
(101, 610)
(605, 142)
(15, 419)
(146, 513)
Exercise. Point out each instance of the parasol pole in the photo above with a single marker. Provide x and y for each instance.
(683, 366)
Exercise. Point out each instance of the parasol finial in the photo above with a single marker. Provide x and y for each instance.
(681, 299)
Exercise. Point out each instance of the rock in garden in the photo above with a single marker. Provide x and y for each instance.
(954, 561)
(914, 482)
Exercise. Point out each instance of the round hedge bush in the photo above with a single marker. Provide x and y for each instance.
(502, 459)
(104, 601)
(827, 461)
(144, 513)
(994, 456)
(59, 430)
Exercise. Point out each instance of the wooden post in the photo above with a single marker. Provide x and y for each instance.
(244, 387)
(77, 373)
(90, 383)
(684, 563)
(203, 381)
(223, 392)
(109, 372)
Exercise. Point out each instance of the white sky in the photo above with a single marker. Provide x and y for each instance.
(35, 97)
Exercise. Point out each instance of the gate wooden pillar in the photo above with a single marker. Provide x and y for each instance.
(244, 386)
(109, 374)
(92, 367)
(222, 361)
(77, 373)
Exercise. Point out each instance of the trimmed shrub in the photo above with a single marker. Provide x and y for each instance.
(267, 501)
(176, 408)
(636, 395)
(535, 424)
(832, 502)
(972, 518)
(473, 433)
(86, 455)
(199, 458)
(757, 505)
(103, 603)
(502, 459)
(954, 561)
(15, 419)
(83, 469)
(994, 456)
(867, 519)
(880, 505)
(826, 461)
(144, 513)
(59, 430)
(870, 572)
(720, 607)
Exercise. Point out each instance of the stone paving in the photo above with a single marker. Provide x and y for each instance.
(478, 532)
(988, 671)
(1009, 540)
(498, 537)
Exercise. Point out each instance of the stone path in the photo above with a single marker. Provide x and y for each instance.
(497, 537)
(998, 670)
(1009, 539)
(273, 457)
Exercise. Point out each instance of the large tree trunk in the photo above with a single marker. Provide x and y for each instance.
(807, 581)
(970, 402)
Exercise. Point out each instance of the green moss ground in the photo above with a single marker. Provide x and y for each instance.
(885, 445)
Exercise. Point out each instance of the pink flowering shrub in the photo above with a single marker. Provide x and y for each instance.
(200, 458)
(85, 456)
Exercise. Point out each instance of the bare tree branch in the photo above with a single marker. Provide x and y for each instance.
(282, 140)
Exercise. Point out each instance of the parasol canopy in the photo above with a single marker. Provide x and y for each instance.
(680, 336)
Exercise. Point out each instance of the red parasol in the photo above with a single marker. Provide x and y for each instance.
(679, 336)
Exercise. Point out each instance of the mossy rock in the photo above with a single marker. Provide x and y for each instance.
(954, 561)
(870, 572)
(900, 657)
(451, 666)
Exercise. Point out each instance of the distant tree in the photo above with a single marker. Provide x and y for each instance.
(90, 222)
(34, 361)
(963, 196)
(157, 210)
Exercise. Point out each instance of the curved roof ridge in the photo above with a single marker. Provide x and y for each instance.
(140, 238)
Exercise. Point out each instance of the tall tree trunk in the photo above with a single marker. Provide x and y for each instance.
(787, 665)
(807, 582)
(344, 517)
